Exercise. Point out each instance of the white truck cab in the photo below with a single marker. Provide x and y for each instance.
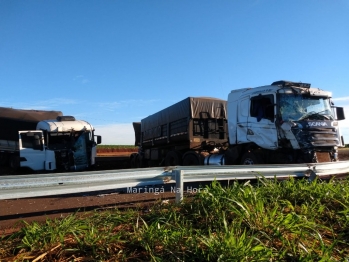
(60, 144)
(297, 122)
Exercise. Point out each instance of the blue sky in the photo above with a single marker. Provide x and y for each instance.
(112, 63)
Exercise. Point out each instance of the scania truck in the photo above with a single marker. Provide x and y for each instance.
(285, 122)
(46, 141)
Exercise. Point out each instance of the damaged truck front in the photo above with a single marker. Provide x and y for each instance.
(46, 141)
(286, 122)
(309, 122)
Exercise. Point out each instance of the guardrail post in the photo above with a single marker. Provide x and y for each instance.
(311, 173)
(179, 185)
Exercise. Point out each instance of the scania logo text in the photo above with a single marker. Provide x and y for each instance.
(317, 124)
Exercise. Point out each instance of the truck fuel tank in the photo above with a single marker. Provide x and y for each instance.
(215, 160)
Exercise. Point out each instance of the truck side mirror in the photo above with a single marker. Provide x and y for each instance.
(340, 113)
(99, 139)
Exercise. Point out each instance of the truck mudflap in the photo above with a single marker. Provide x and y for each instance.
(322, 157)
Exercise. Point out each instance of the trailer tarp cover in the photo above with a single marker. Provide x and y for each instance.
(14, 120)
(28, 115)
(191, 107)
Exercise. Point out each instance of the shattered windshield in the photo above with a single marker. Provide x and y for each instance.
(80, 157)
(298, 107)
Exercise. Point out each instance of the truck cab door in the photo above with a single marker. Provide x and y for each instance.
(32, 151)
(242, 120)
(261, 121)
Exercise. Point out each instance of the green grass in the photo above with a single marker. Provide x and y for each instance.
(292, 220)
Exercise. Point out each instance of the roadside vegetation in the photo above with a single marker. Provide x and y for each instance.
(116, 147)
(293, 220)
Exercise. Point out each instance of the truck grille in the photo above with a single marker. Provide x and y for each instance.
(317, 137)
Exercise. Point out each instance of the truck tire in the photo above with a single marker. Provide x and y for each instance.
(173, 158)
(133, 160)
(250, 158)
(3, 159)
(139, 161)
(191, 159)
(14, 162)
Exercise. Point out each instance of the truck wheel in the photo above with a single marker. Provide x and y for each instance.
(14, 162)
(250, 158)
(133, 160)
(139, 161)
(191, 159)
(3, 159)
(173, 158)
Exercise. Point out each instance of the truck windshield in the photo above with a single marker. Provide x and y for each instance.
(298, 107)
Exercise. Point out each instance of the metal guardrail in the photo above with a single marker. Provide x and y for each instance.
(23, 186)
